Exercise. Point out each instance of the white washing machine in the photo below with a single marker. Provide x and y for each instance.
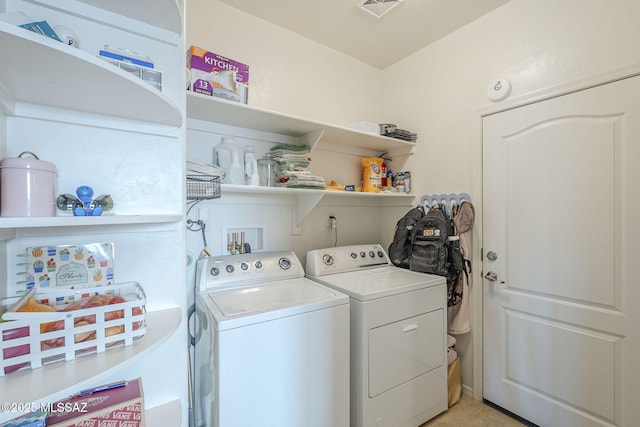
(398, 335)
(271, 347)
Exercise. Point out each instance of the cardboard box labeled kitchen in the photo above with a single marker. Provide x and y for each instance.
(214, 75)
(116, 407)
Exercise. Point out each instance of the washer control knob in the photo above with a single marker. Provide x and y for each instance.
(327, 259)
(354, 255)
(380, 254)
(229, 268)
(215, 271)
(363, 254)
(244, 266)
(258, 264)
(372, 254)
(284, 263)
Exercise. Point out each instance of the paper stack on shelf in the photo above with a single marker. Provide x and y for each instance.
(197, 167)
(392, 131)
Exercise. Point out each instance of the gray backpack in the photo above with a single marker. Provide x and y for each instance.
(430, 243)
(400, 248)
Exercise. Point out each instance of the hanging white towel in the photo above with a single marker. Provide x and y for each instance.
(452, 355)
(451, 341)
(459, 315)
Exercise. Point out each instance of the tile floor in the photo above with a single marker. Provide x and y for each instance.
(472, 413)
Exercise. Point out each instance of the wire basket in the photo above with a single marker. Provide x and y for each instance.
(202, 187)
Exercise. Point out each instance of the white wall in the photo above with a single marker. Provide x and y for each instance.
(536, 45)
(287, 73)
(435, 92)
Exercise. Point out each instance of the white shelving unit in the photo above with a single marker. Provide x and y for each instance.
(309, 132)
(100, 126)
(312, 133)
(69, 74)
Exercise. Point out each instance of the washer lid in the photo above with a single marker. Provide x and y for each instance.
(262, 302)
(379, 282)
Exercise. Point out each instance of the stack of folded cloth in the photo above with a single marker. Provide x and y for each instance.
(452, 354)
(293, 167)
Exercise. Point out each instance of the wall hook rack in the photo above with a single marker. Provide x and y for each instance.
(447, 200)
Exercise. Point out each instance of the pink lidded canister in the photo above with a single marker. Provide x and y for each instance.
(27, 186)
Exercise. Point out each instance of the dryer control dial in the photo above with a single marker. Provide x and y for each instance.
(327, 259)
(215, 271)
(354, 255)
(372, 254)
(229, 268)
(244, 266)
(258, 264)
(284, 263)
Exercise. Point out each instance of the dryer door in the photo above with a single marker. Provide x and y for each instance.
(404, 350)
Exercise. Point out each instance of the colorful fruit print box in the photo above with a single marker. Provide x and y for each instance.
(69, 266)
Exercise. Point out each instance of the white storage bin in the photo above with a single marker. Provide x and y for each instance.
(31, 339)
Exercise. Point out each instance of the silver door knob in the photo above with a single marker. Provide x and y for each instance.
(492, 256)
(491, 276)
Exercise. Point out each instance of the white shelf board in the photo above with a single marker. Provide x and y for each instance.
(75, 80)
(236, 188)
(208, 108)
(78, 221)
(66, 378)
(166, 415)
(307, 199)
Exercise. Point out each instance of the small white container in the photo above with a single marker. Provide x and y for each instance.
(250, 166)
(266, 172)
(27, 187)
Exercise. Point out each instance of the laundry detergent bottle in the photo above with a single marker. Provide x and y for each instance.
(229, 156)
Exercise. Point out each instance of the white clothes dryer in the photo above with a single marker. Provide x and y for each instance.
(398, 335)
(272, 347)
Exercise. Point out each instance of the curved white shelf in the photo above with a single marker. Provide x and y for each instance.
(75, 80)
(211, 109)
(164, 14)
(166, 415)
(78, 221)
(65, 378)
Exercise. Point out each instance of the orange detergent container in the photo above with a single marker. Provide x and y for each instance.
(371, 174)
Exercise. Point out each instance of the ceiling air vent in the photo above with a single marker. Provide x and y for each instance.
(378, 7)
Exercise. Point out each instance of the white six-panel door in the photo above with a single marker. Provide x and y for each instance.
(561, 216)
